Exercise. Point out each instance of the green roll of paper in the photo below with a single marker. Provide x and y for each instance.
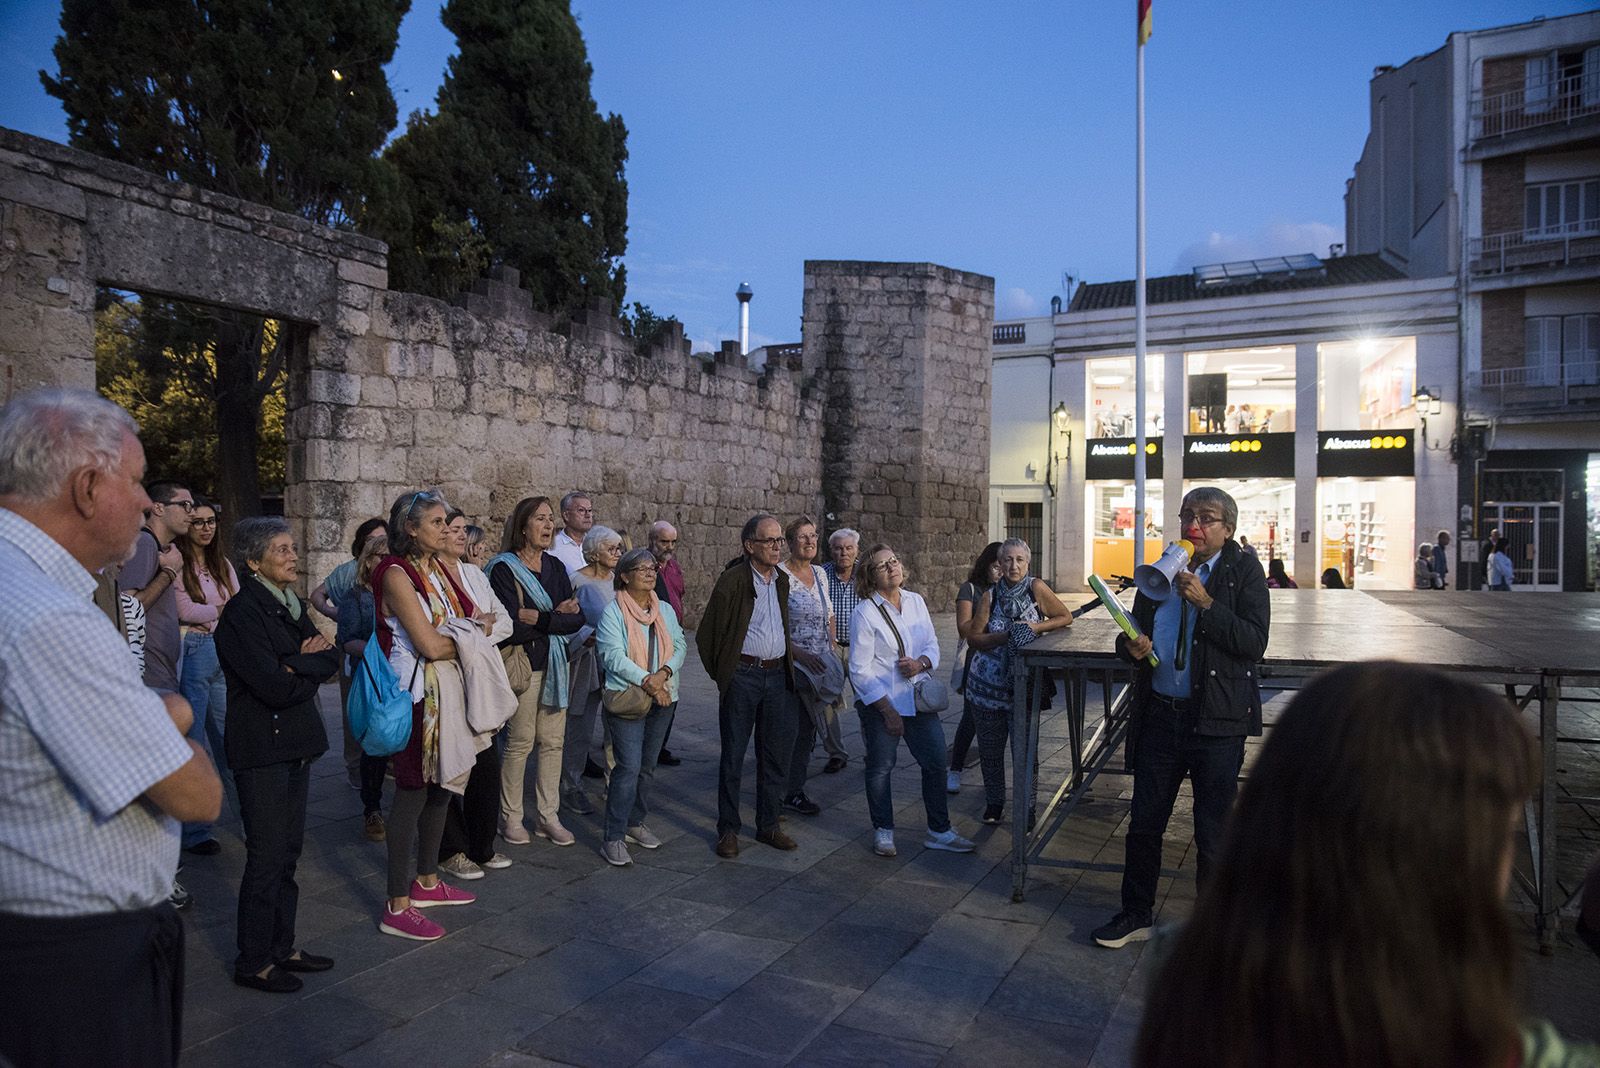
(1118, 613)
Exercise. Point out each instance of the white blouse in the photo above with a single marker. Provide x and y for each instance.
(874, 651)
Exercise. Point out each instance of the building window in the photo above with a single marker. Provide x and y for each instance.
(1539, 83)
(1558, 208)
(1025, 520)
(1241, 391)
(1112, 397)
(1563, 349)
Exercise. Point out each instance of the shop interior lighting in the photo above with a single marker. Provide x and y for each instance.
(1109, 380)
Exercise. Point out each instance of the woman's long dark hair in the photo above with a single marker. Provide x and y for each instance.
(1356, 916)
(979, 575)
(213, 557)
(1276, 570)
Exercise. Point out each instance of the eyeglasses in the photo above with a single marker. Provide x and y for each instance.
(203, 523)
(1202, 520)
(581, 511)
(641, 567)
(187, 506)
(771, 543)
(893, 561)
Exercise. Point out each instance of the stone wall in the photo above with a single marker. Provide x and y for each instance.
(903, 350)
(490, 401)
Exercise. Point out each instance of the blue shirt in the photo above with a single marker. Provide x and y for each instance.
(81, 740)
(1167, 678)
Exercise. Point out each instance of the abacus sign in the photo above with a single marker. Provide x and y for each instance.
(1112, 458)
(1366, 453)
(1238, 456)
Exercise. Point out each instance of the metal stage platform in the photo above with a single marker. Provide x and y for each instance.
(1532, 644)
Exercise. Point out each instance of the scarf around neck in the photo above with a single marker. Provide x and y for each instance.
(284, 597)
(556, 674)
(637, 621)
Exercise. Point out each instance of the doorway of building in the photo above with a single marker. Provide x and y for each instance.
(1533, 529)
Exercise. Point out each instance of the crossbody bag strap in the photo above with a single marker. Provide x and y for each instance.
(896, 630)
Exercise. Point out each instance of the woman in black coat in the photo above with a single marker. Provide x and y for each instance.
(274, 662)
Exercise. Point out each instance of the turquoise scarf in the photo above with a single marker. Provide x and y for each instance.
(284, 597)
(554, 694)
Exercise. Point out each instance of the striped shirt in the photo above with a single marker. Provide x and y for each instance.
(81, 739)
(843, 594)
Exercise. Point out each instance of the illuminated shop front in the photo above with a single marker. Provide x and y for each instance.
(1110, 506)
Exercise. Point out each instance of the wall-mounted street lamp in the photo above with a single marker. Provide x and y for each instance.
(1060, 442)
(1427, 400)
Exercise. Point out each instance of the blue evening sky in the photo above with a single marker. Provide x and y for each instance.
(993, 137)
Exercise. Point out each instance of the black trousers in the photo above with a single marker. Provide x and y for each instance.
(758, 701)
(474, 817)
(272, 800)
(102, 989)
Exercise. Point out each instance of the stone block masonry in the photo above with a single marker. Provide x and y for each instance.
(883, 422)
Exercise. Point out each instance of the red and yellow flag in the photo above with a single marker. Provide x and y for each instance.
(1144, 21)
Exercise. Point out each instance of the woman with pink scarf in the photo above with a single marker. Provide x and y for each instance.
(640, 645)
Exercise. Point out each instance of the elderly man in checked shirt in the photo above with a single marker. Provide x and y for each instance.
(96, 769)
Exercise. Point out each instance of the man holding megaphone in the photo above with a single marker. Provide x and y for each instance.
(1202, 609)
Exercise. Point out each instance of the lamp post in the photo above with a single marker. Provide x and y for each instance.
(744, 293)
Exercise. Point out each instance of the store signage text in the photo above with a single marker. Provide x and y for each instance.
(1112, 458)
(1238, 456)
(1374, 454)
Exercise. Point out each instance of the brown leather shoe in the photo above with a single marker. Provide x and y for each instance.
(777, 839)
(728, 845)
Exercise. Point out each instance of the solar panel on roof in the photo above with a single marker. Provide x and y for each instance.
(1239, 272)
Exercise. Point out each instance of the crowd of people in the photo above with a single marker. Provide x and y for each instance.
(562, 657)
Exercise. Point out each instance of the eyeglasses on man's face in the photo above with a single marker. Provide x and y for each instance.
(771, 543)
(187, 505)
(1199, 519)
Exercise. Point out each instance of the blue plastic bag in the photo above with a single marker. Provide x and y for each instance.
(378, 706)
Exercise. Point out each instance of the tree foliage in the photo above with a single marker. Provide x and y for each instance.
(158, 360)
(519, 155)
(644, 326)
(280, 103)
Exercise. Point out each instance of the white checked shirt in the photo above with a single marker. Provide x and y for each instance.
(81, 739)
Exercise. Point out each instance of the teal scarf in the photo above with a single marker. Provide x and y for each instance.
(554, 694)
(282, 596)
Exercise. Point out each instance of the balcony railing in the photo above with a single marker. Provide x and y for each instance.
(1010, 333)
(1541, 102)
(1521, 250)
(1543, 386)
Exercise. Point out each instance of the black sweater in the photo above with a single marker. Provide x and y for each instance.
(552, 575)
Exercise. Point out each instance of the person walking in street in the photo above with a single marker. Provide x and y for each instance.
(1441, 561)
(533, 586)
(892, 646)
(1501, 569)
(639, 643)
(811, 644)
(1422, 573)
(275, 661)
(1192, 711)
(743, 643)
(206, 583)
(93, 948)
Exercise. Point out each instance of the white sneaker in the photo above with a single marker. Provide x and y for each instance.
(616, 854)
(461, 867)
(555, 832)
(883, 842)
(643, 837)
(949, 841)
(952, 782)
(499, 860)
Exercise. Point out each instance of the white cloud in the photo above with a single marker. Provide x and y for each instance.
(1277, 239)
(1016, 303)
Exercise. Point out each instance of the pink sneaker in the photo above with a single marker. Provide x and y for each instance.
(409, 923)
(441, 894)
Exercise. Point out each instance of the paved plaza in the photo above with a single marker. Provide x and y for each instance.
(828, 955)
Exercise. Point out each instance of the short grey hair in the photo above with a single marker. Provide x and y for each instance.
(575, 495)
(841, 534)
(598, 538)
(252, 536)
(46, 434)
(1016, 543)
(631, 561)
(1218, 498)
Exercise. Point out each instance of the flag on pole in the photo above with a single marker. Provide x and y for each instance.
(1144, 21)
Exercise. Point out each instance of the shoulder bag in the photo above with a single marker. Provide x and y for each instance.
(519, 669)
(928, 693)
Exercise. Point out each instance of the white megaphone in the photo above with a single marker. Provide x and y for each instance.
(1155, 580)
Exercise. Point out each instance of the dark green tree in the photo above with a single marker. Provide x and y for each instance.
(518, 153)
(280, 102)
(644, 326)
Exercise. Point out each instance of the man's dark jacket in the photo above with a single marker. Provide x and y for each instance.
(1230, 640)
(726, 620)
(272, 713)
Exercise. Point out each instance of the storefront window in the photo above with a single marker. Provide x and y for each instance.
(1266, 515)
(1111, 396)
(1366, 530)
(1367, 384)
(1242, 391)
(1112, 507)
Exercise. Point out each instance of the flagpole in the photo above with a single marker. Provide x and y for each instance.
(1138, 318)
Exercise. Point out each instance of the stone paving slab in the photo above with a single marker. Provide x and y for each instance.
(814, 957)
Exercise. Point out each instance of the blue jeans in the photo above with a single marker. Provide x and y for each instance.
(1168, 748)
(635, 745)
(203, 686)
(925, 738)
